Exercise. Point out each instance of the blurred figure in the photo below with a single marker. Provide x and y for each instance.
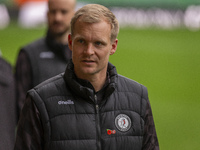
(4, 15)
(47, 56)
(32, 13)
(7, 106)
(192, 17)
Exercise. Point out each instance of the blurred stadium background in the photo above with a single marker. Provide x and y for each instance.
(158, 47)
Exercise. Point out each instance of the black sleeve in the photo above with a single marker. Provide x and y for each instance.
(150, 140)
(23, 79)
(30, 135)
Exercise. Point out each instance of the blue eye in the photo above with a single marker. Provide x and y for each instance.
(81, 41)
(98, 43)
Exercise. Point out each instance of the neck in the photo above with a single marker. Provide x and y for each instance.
(98, 83)
(97, 80)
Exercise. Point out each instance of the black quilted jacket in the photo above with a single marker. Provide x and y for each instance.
(72, 119)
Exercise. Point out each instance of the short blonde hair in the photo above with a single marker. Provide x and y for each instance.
(94, 13)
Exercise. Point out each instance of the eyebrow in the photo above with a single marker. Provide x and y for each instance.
(97, 39)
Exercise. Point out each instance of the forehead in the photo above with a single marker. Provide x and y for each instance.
(61, 4)
(92, 30)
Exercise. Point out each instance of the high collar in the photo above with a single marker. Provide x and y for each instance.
(85, 89)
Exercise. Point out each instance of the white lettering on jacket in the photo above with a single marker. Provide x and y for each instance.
(68, 102)
(47, 55)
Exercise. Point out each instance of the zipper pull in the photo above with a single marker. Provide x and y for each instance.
(96, 104)
(95, 99)
(97, 108)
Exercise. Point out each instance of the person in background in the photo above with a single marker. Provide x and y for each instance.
(90, 106)
(8, 118)
(46, 56)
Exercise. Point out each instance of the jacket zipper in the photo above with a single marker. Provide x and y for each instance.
(98, 124)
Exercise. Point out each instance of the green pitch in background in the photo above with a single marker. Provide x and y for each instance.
(166, 61)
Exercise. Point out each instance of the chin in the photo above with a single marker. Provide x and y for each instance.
(58, 31)
(88, 72)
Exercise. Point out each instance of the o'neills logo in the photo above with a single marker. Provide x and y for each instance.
(68, 102)
(123, 122)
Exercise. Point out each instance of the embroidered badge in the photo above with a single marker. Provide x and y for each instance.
(123, 122)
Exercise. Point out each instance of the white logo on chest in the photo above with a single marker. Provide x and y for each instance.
(123, 122)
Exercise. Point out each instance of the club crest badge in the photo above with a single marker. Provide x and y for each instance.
(123, 122)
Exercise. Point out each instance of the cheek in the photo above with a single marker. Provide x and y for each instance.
(74, 57)
(103, 56)
(67, 18)
(107, 52)
(49, 20)
(76, 51)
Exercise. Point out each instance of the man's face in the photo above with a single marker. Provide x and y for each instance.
(91, 47)
(59, 16)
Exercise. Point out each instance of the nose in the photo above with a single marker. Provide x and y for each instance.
(89, 50)
(58, 16)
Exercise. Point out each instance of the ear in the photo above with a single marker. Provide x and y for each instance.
(114, 47)
(70, 41)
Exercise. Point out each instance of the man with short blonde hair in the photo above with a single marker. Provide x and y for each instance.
(90, 106)
(95, 14)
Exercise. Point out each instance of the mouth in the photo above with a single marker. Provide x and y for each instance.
(57, 24)
(88, 61)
